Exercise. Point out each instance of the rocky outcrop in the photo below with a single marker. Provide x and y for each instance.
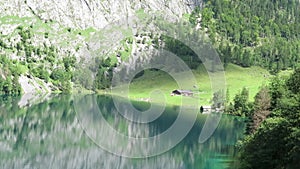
(34, 90)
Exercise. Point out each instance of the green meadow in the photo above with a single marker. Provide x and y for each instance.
(236, 77)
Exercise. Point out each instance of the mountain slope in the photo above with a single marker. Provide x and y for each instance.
(47, 38)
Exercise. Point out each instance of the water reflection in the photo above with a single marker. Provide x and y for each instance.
(49, 135)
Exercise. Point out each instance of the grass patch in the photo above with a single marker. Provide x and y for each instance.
(141, 14)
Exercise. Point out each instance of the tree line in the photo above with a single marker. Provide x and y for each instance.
(274, 126)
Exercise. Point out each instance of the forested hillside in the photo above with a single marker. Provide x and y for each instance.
(253, 32)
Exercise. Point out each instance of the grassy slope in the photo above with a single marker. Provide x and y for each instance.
(236, 78)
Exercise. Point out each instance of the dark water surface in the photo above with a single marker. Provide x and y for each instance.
(50, 134)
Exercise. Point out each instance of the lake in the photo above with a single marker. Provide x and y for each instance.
(52, 133)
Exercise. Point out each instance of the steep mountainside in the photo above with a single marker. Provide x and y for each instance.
(42, 42)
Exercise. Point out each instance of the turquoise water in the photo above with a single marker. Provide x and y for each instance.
(49, 133)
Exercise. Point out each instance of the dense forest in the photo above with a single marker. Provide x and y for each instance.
(253, 32)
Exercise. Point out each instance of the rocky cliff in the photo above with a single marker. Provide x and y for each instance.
(93, 13)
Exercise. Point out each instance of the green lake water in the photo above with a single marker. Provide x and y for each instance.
(49, 133)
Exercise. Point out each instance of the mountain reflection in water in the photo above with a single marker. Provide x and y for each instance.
(49, 135)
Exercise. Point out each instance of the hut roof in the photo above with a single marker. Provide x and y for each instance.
(182, 91)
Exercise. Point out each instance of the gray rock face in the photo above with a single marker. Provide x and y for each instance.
(93, 13)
